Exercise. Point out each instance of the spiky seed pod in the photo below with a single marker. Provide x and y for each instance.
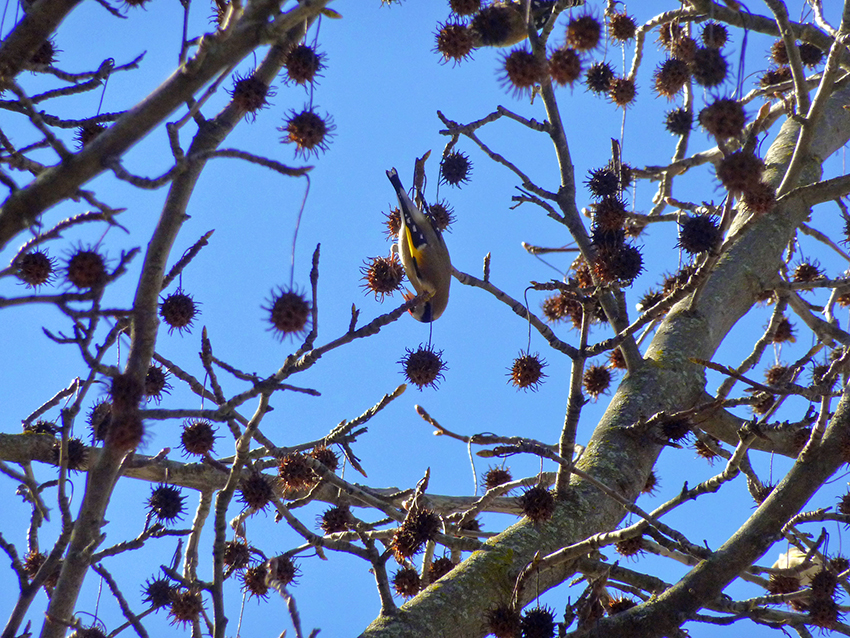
(715, 35)
(289, 313)
(823, 583)
(418, 527)
(439, 568)
(87, 132)
(603, 182)
(237, 554)
(704, 451)
(41, 427)
(157, 592)
(824, 612)
(125, 432)
(495, 24)
(684, 48)
(254, 581)
(406, 582)
(87, 632)
(283, 571)
(326, 457)
(699, 234)
(760, 198)
(33, 562)
(166, 503)
(668, 33)
(819, 374)
(424, 366)
(522, 71)
(618, 264)
(537, 503)
(740, 171)
(526, 373)
(630, 547)
(538, 622)
(45, 54)
(622, 92)
(775, 76)
(584, 33)
(760, 492)
(156, 383)
(36, 269)
(610, 213)
(309, 131)
(839, 564)
(652, 483)
(776, 374)
(783, 584)
(778, 52)
(335, 519)
(844, 504)
(472, 525)
(249, 94)
(295, 472)
(649, 299)
(784, 331)
(807, 271)
(621, 27)
(617, 605)
(382, 276)
(99, 418)
(393, 223)
(496, 476)
(596, 380)
(442, 214)
(679, 121)
(676, 430)
(764, 402)
(178, 310)
(723, 118)
(564, 66)
(810, 55)
(455, 169)
(503, 621)
(86, 269)
(198, 437)
(599, 77)
(303, 64)
(670, 76)
(256, 491)
(464, 7)
(709, 68)
(454, 41)
(616, 359)
(77, 453)
(678, 279)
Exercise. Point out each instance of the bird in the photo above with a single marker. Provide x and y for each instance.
(423, 254)
(502, 24)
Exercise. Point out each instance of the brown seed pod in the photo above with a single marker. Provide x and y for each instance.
(166, 503)
(599, 77)
(249, 94)
(740, 171)
(824, 612)
(564, 66)
(455, 169)
(406, 582)
(424, 366)
(807, 271)
(776, 374)
(87, 132)
(418, 527)
(303, 64)
(668, 33)
(254, 581)
(156, 383)
(603, 182)
(616, 359)
(237, 554)
(36, 269)
(609, 213)
(670, 76)
(783, 584)
(496, 476)
(679, 121)
(596, 380)
(77, 453)
(699, 234)
(503, 621)
(621, 27)
(335, 519)
(715, 35)
(455, 41)
(45, 54)
(439, 568)
(684, 48)
(723, 118)
(676, 430)
(775, 76)
(784, 331)
(537, 503)
(620, 264)
(631, 547)
(393, 223)
(442, 214)
(256, 491)
(538, 622)
(283, 571)
(309, 131)
(709, 68)
(526, 373)
(40, 426)
(289, 313)
(810, 55)
(178, 310)
(464, 7)
(382, 276)
(652, 483)
(326, 457)
(295, 472)
(99, 419)
(157, 592)
(198, 437)
(617, 605)
(584, 33)
(86, 269)
(622, 92)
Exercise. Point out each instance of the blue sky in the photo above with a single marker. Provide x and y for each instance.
(383, 85)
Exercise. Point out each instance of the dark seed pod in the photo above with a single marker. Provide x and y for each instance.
(455, 169)
(178, 310)
(537, 503)
(699, 234)
(496, 476)
(309, 131)
(289, 313)
(166, 503)
(424, 366)
(526, 373)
